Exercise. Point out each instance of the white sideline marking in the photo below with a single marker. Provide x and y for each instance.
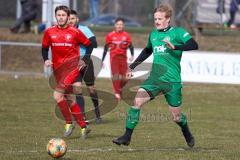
(120, 150)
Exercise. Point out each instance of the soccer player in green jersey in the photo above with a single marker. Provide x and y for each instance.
(167, 44)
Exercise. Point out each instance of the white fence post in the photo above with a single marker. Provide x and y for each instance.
(19, 9)
(49, 13)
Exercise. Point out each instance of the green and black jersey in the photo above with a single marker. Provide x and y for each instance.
(166, 62)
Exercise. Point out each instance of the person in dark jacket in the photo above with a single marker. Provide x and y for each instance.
(233, 10)
(29, 13)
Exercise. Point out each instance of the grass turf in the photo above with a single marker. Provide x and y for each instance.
(28, 122)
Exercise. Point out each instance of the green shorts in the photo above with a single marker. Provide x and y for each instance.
(171, 91)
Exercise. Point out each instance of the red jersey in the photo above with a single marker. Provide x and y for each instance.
(118, 42)
(64, 43)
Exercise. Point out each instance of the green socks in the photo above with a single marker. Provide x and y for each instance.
(134, 114)
(183, 121)
(132, 118)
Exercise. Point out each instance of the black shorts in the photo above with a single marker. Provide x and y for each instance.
(87, 75)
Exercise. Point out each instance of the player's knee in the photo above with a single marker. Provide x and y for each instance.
(176, 113)
(77, 88)
(71, 100)
(141, 98)
(58, 96)
(176, 117)
(138, 102)
(91, 89)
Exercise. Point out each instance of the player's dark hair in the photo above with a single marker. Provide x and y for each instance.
(64, 8)
(119, 19)
(74, 12)
(164, 8)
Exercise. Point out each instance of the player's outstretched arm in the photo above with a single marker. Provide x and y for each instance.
(93, 41)
(87, 56)
(191, 44)
(132, 52)
(86, 59)
(47, 62)
(105, 50)
(146, 52)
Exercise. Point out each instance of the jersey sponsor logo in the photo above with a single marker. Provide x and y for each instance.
(158, 49)
(116, 42)
(61, 44)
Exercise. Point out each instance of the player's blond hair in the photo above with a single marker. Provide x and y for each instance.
(164, 8)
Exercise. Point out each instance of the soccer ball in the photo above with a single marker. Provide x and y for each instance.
(56, 147)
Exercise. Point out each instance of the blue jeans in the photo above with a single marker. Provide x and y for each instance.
(93, 8)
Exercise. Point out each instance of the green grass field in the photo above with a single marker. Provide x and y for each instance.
(28, 122)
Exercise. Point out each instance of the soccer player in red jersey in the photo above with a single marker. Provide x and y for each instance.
(64, 41)
(118, 41)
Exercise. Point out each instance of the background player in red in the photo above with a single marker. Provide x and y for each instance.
(118, 41)
(64, 41)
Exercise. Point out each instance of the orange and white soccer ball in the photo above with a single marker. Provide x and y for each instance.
(56, 147)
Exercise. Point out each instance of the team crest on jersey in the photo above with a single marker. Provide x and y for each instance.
(124, 38)
(53, 36)
(68, 37)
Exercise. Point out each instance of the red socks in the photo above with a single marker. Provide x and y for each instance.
(63, 106)
(76, 112)
(116, 86)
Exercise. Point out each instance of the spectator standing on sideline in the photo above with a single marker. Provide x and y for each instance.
(29, 13)
(233, 10)
(93, 8)
(221, 10)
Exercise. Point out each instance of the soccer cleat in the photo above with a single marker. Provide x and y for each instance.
(188, 137)
(233, 26)
(85, 132)
(68, 129)
(122, 140)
